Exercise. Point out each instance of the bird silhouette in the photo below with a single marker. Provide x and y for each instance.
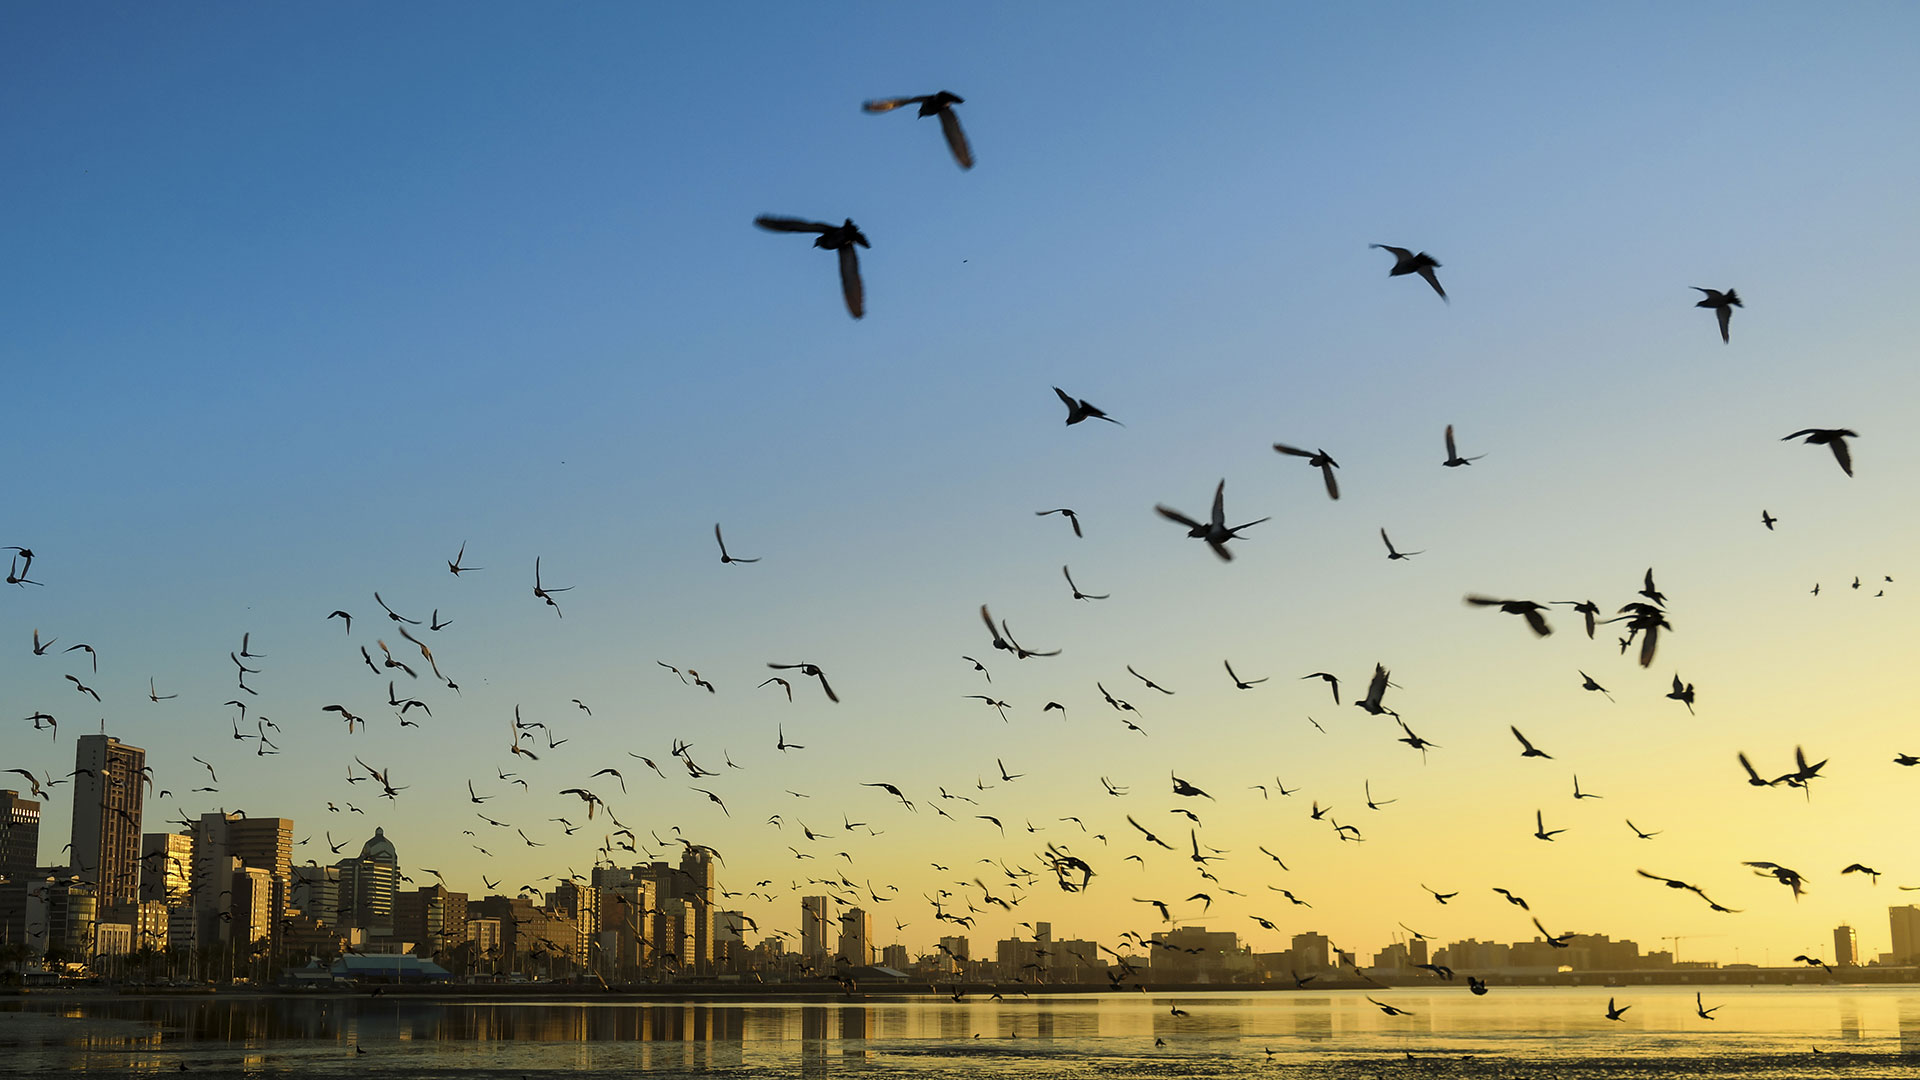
(1454, 459)
(1072, 517)
(1077, 594)
(724, 557)
(1408, 262)
(1722, 304)
(838, 238)
(1079, 409)
(940, 105)
(1527, 748)
(1321, 460)
(1540, 830)
(1215, 532)
(1834, 439)
(1393, 554)
(1526, 609)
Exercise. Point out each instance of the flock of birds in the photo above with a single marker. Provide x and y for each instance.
(1072, 866)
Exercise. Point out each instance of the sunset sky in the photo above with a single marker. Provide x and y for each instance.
(301, 299)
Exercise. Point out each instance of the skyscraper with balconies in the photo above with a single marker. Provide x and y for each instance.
(107, 790)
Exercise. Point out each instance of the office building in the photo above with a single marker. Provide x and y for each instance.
(856, 937)
(166, 868)
(19, 836)
(227, 848)
(369, 883)
(1905, 923)
(700, 884)
(1846, 946)
(107, 790)
(815, 916)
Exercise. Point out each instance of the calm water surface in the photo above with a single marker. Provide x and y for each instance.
(1757, 1032)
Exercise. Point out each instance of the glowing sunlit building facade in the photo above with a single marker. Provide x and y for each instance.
(107, 790)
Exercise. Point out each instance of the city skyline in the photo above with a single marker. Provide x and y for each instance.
(313, 313)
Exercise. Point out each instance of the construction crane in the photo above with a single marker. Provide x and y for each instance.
(1678, 938)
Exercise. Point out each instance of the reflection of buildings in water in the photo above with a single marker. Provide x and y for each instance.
(855, 1022)
(1312, 1018)
(813, 1040)
(955, 1022)
(1909, 1029)
(1849, 1019)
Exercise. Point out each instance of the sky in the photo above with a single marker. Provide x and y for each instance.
(301, 300)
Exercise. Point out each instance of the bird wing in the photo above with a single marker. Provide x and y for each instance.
(1841, 454)
(1294, 450)
(1333, 486)
(880, 105)
(787, 224)
(1398, 252)
(1219, 506)
(1451, 452)
(1175, 515)
(1433, 280)
(1725, 314)
(956, 138)
(850, 285)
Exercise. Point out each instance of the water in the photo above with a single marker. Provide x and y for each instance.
(1558, 1033)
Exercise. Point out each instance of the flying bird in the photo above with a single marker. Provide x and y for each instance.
(1321, 460)
(1077, 594)
(1453, 456)
(1540, 830)
(840, 238)
(1393, 554)
(940, 105)
(1526, 609)
(1722, 304)
(1215, 532)
(539, 590)
(1407, 262)
(1079, 409)
(1072, 518)
(724, 557)
(1527, 748)
(1834, 439)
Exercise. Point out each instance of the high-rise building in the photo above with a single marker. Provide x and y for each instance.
(856, 937)
(166, 867)
(315, 892)
(369, 882)
(19, 836)
(814, 920)
(700, 884)
(434, 919)
(1905, 923)
(1846, 946)
(225, 845)
(107, 789)
(1312, 952)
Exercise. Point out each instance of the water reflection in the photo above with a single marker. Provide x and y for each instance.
(821, 1037)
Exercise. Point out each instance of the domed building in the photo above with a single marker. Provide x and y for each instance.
(369, 883)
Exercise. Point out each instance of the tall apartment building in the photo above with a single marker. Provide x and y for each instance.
(1846, 946)
(166, 868)
(19, 836)
(107, 790)
(226, 845)
(369, 883)
(434, 919)
(815, 916)
(700, 884)
(1905, 923)
(856, 937)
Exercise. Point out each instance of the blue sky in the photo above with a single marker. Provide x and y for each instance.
(302, 299)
